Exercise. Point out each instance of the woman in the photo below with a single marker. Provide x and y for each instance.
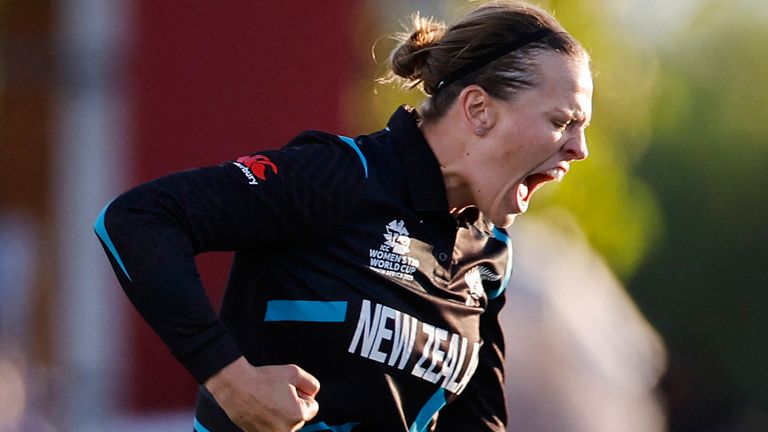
(373, 266)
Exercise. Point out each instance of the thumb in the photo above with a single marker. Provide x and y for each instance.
(307, 384)
(307, 387)
(308, 405)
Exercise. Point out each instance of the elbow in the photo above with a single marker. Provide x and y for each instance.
(101, 227)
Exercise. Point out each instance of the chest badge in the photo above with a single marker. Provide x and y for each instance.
(474, 279)
(391, 257)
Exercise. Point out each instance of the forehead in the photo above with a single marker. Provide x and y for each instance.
(564, 83)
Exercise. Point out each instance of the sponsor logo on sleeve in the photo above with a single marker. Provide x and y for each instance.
(255, 167)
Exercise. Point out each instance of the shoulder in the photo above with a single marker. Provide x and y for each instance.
(323, 147)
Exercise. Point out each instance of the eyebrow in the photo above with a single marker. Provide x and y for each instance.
(577, 115)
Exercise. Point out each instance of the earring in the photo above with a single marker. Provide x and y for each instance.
(480, 131)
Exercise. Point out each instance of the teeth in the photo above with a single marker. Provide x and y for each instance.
(522, 192)
(557, 174)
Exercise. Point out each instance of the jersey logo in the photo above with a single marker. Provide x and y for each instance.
(397, 237)
(475, 284)
(474, 279)
(391, 257)
(255, 167)
(488, 274)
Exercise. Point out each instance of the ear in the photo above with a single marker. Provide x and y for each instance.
(477, 110)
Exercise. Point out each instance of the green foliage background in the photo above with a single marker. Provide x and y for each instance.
(673, 194)
(704, 285)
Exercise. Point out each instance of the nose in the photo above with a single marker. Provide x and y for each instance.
(576, 147)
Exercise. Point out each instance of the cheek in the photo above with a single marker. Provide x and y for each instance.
(498, 175)
(537, 148)
(511, 164)
(499, 194)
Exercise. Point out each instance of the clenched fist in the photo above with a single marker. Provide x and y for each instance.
(266, 398)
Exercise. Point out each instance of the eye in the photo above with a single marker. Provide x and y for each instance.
(562, 125)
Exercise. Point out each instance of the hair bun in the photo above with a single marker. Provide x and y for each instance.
(410, 56)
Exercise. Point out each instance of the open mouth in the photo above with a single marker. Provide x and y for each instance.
(533, 182)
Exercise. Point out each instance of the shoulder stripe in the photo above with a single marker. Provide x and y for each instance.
(354, 145)
(502, 236)
(101, 231)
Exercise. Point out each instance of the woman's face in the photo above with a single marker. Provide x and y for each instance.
(533, 139)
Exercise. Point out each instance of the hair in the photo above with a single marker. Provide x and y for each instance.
(429, 52)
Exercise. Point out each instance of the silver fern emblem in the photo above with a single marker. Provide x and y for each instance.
(488, 274)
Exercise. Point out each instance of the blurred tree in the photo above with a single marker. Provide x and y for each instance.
(704, 286)
(616, 209)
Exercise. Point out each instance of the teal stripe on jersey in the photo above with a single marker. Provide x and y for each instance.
(500, 235)
(322, 426)
(433, 405)
(306, 310)
(101, 231)
(354, 145)
(199, 427)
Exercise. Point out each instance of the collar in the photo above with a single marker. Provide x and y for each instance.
(425, 180)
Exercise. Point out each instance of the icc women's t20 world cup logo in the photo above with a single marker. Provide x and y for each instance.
(397, 237)
(391, 258)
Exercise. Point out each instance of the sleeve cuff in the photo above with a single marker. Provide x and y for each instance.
(212, 358)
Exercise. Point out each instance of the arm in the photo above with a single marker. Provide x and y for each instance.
(152, 233)
(482, 405)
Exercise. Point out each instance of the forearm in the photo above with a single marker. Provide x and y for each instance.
(154, 261)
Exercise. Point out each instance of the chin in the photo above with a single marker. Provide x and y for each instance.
(503, 210)
(505, 221)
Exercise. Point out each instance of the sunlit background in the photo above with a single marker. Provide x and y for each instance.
(640, 295)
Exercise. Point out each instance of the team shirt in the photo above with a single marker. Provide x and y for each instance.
(348, 263)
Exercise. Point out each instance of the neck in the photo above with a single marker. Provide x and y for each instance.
(447, 140)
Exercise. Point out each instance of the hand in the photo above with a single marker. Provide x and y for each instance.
(266, 398)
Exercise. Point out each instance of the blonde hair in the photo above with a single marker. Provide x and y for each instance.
(430, 51)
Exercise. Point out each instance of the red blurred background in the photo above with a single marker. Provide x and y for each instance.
(211, 82)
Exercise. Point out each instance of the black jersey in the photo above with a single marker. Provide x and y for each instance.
(347, 263)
